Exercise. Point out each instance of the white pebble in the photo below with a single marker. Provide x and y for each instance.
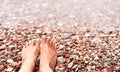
(9, 69)
(10, 61)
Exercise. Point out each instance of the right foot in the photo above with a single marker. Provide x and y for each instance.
(48, 54)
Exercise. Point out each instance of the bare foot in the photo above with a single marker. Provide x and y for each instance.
(29, 55)
(48, 54)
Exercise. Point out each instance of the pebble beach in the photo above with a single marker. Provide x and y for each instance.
(78, 51)
(87, 34)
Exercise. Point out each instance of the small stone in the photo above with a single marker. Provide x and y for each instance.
(2, 47)
(112, 35)
(1, 38)
(87, 34)
(96, 58)
(9, 69)
(43, 36)
(96, 40)
(61, 59)
(70, 65)
(60, 24)
(15, 40)
(75, 66)
(12, 46)
(38, 31)
(10, 61)
(106, 63)
(75, 57)
(116, 51)
(14, 63)
(66, 36)
(94, 62)
(61, 47)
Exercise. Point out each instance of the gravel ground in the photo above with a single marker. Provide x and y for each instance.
(78, 51)
(87, 33)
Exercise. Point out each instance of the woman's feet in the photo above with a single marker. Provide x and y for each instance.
(47, 57)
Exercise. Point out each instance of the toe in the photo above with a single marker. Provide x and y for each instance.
(42, 42)
(37, 44)
(27, 44)
(49, 43)
(32, 42)
(52, 44)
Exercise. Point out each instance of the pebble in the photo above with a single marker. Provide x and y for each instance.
(70, 65)
(9, 69)
(94, 62)
(75, 66)
(75, 57)
(10, 61)
(96, 40)
(96, 58)
(43, 36)
(61, 47)
(38, 31)
(12, 46)
(61, 59)
(87, 34)
(106, 63)
(2, 47)
(66, 36)
(1, 38)
(15, 40)
(14, 63)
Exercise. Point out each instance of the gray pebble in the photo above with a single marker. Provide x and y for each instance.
(94, 62)
(70, 65)
(75, 66)
(61, 47)
(61, 59)
(106, 63)
(66, 36)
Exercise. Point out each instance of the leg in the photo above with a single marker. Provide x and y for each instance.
(48, 56)
(29, 55)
